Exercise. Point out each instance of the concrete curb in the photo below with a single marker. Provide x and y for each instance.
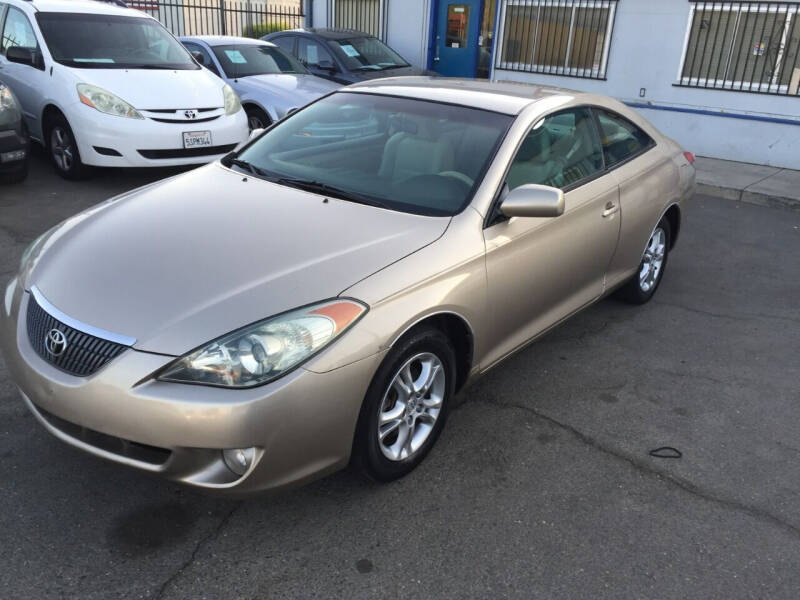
(748, 197)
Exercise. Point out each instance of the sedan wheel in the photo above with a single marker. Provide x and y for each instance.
(411, 406)
(653, 260)
(256, 118)
(641, 287)
(406, 405)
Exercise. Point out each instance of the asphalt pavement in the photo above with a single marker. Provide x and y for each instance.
(541, 485)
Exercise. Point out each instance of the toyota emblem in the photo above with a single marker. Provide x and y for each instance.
(190, 114)
(55, 342)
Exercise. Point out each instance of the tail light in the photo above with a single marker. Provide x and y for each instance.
(690, 157)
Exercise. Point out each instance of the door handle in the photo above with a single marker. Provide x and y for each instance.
(610, 209)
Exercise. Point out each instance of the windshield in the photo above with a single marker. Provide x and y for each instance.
(403, 154)
(366, 54)
(91, 41)
(244, 60)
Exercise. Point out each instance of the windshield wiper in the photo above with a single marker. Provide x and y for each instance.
(327, 190)
(242, 164)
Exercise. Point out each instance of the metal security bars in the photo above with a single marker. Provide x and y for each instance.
(247, 18)
(556, 37)
(368, 16)
(743, 46)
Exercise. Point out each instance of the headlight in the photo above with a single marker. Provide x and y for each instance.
(9, 111)
(106, 102)
(232, 103)
(266, 350)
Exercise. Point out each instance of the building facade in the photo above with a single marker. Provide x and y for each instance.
(722, 78)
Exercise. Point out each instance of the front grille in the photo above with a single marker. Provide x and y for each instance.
(184, 121)
(187, 152)
(82, 355)
(142, 452)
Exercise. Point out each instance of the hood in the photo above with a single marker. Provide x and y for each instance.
(399, 72)
(286, 90)
(184, 261)
(154, 89)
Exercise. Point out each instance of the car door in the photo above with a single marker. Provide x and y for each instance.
(27, 82)
(541, 270)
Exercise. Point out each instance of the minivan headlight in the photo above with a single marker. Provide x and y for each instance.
(264, 351)
(9, 111)
(232, 102)
(106, 102)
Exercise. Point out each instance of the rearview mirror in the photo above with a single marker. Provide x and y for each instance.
(533, 200)
(326, 65)
(23, 56)
(198, 56)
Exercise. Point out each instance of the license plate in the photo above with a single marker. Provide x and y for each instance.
(196, 139)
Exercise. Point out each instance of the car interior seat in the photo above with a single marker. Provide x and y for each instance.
(416, 148)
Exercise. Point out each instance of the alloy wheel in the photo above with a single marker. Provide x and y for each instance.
(61, 148)
(254, 122)
(411, 405)
(653, 260)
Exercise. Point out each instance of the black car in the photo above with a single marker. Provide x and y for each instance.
(343, 55)
(13, 139)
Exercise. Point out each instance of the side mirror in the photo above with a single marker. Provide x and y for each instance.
(23, 56)
(198, 56)
(327, 65)
(533, 200)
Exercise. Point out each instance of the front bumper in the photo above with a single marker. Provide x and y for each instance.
(149, 143)
(301, 425)
(13, 149)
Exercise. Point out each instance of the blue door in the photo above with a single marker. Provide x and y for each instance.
(455, 48)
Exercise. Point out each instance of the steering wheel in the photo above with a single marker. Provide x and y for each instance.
(457, 175)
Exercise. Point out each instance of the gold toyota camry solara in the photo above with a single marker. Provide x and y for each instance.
(317, 297)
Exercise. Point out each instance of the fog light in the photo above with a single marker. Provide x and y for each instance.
(238, 460)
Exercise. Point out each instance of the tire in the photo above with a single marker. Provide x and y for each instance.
(17, 175)
(643, 285)
(257, 118)
(421, 416)
(63, 150)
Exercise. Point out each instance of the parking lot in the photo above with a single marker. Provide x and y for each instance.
(540, 486)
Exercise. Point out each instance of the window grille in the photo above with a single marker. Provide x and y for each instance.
(556, 37)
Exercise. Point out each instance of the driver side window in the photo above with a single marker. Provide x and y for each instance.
(561, 150)
(17, 31)
(311, 54)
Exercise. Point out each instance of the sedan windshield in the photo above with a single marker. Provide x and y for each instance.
(398, 153)
(244, 60)
(366, 54)
(91, 41)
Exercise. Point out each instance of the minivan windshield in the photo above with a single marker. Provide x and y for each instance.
(398, 153)
(95, 41)
(244, 60)
(366, 54)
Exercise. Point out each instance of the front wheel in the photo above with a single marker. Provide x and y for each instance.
(644, 283)
(406, 406)
(64, 150)
(256, 118)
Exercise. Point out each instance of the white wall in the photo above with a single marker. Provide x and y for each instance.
(646, 53)
(407, 31)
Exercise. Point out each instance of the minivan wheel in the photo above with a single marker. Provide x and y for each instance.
(256, 118)
(406, 405)
(64, 150)
(644, 283)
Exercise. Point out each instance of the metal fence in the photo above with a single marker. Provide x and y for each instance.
(245, 18)
(744, 47)
(368, 16)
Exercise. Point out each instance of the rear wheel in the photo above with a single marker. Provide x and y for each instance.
(644, 283)
(63, 150)
(406, 405)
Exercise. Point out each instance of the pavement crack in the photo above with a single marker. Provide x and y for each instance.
(209, 537)
(643, 467)
(741, 317)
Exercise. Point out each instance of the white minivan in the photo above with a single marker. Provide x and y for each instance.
(109, 86)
